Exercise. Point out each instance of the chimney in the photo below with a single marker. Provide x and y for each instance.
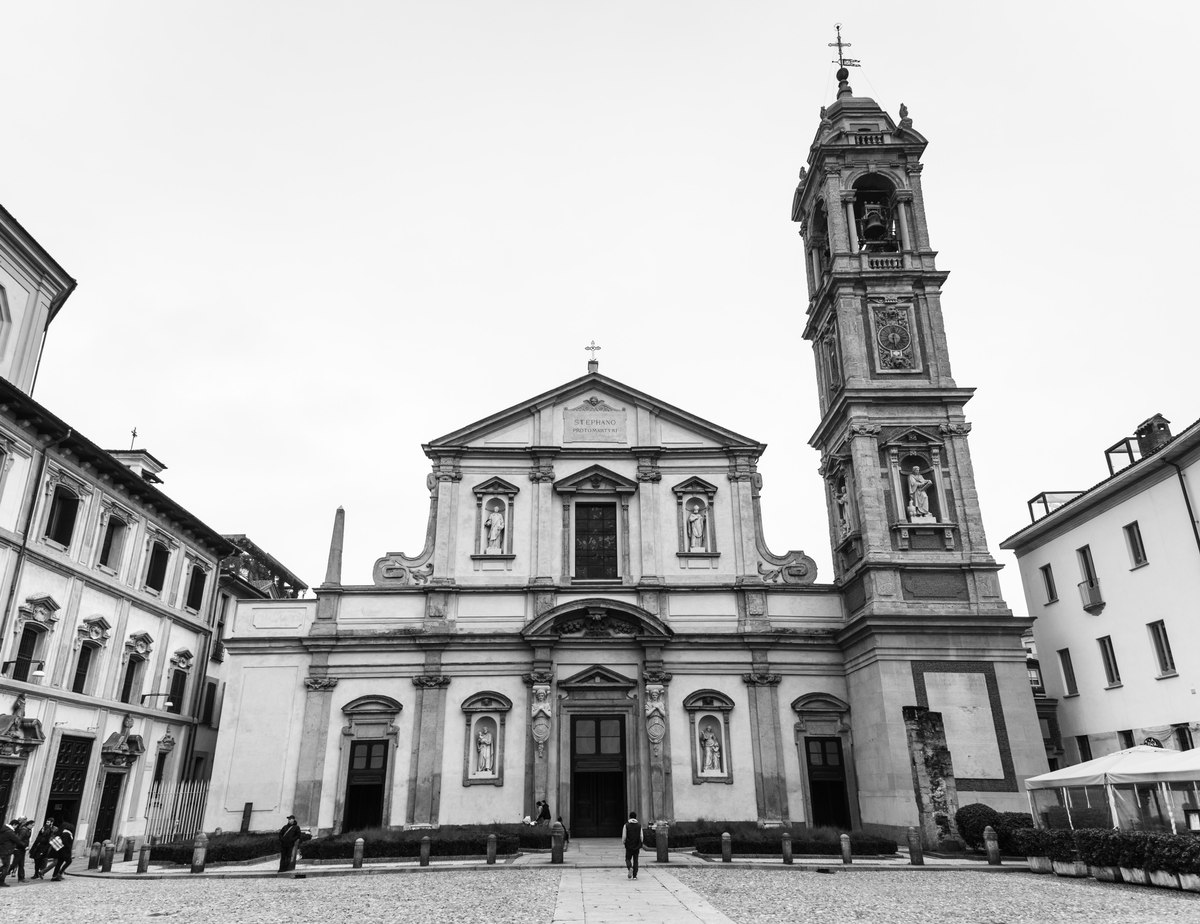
(1153, 434)
(141, 462)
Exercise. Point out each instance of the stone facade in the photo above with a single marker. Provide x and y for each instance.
(595, 619)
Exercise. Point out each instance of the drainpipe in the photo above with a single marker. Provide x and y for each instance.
(1187, 501)
(202, 674)
(19, 566)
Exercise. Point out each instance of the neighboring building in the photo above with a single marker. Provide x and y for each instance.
(1113, 573)
(596, 620)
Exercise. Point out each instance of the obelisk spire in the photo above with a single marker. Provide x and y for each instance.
(333, 571)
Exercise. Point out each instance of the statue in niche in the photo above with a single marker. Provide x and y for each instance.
(483, 747)
(711, 746)
(495, 529)
(842, 499)
(697, 524)
(918, 495)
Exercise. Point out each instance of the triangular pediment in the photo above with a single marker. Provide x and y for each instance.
(913, 436)
(695, 486)
(595, 479)
(598, 677)
(496, 486)
(592, 410)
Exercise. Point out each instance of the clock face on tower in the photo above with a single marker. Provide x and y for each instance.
(893, 337)
(893, 328)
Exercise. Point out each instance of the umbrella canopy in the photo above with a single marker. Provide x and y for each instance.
(1141, 759)
(1175, 766)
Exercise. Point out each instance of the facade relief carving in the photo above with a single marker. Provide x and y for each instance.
(320, 684)
(541, 713)
(95, 630)
(431, 681)
(39, 609)
(656, 716)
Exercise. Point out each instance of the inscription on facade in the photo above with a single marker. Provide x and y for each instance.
(594, 421)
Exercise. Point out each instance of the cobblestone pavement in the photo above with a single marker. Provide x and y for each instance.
(768, 897)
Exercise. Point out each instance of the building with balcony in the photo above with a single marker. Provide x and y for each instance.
(1119, 651)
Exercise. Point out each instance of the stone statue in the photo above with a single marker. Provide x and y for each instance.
(903, 111)
(712, 750)
(697, 522)
(918, 496)
(495, 532)
(842, 498)
(483, 746)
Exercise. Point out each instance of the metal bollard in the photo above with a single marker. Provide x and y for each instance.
(127, 856)
(847, 859)
(992, 842)
(491, 850)
(556, 843)
(94, 856)
(425, 845)
(358, 852)
(143, 858)
(726, 848)
(916, 853)
(199, 851)
(662, 840)
(107, 852)
(787, 847)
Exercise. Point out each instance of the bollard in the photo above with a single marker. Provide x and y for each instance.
(491, 842)
(425, 845)
(847, 859)
(556, 842)
(662, 839)
(143, 858)
(107, 852)
(127, 856)
(726, 848)
(787, 847)
(358, 852)
(199, 851)
(916, 854)
(247, 811)
(993, 845)
(94, 856)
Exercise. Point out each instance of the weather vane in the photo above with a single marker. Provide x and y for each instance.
(842, 60)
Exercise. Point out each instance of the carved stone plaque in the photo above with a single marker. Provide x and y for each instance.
(594, 421)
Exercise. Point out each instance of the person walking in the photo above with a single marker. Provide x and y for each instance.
(289, 834)
(61, 845)
(41, 848)
(24, 828)
(631, 837)
(9, 842)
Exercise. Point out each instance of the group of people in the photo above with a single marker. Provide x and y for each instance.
(51, 846)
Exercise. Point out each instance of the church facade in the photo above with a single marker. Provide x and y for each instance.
(596, 620)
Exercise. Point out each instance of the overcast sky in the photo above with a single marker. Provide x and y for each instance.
(311, 236)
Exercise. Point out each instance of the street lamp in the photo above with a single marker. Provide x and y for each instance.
(166, 705)
(38, 674)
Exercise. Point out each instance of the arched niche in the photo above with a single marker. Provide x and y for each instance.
(495, 519)
(486, 717)
(708, 728)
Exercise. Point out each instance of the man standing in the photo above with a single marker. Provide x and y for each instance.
(289, 834)
(631, 837)
(9, 843)
(41, 848)
(24, 828)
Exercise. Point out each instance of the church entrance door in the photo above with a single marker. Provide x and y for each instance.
(597, 775)
(827, 783)
(7, 774)
(364, 785)
(110, 795)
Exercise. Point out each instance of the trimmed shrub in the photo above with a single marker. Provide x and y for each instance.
(972, 819)
(1169, 852)
(1032, 842)
(1062, 846)
(1132, 849)
(1098, 846)
(819, 841)
(222, 848)
(446, 841)
(1006, 831)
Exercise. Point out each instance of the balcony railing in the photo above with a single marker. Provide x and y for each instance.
(1089, 591)
(868, 138)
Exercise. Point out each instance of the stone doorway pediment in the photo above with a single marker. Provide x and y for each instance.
(598, 677)
(597, 618)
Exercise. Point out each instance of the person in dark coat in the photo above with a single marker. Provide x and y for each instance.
(23, 827)
(62, 856)
(289, 834)
(9, 842)
(544, 814)
(41, 848)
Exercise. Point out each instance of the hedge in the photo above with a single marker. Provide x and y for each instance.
(1098, 847)
(747, 837)
(1172, 853)
(222, 848)
(972, 819)
(1007, 830)
(446, 841)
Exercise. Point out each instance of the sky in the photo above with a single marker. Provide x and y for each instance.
(311, 236)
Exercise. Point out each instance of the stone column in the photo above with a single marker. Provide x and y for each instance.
(541, 723)
(770, 787)
(919, 224)
(544, 522)
(314, 742)
(425, 773)
(851, 228)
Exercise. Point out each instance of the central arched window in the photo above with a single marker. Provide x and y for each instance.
(874, 214)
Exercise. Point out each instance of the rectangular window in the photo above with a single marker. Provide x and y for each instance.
(1183, 737)
(1111, 672)
(156, 570)
(195, 594)
(26, 654)
(1162, 647)
(1087, 568)
(60, 524)
(1084, 746)
(114, 543)
(1089, 587)
(82, 666)
(1125, 738)
(131, 684)
(596, 541)
(178, 691)
(1048, 583)
(1068, 671)
(210, 703)
(218, 645)
(1133, 539)
(160, 766)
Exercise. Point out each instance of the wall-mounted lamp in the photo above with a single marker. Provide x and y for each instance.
(38, 673)
(166, 705)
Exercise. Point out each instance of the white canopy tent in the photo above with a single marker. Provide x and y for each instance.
(1140, 788)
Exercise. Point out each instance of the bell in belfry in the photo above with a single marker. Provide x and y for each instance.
(874, 226)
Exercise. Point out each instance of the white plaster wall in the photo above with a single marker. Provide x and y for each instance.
(19, 297)
(270, 618)
(16, 487)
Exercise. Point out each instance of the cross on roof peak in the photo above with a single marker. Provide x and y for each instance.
(593, 363)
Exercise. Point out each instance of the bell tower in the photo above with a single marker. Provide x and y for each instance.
(925, 622)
